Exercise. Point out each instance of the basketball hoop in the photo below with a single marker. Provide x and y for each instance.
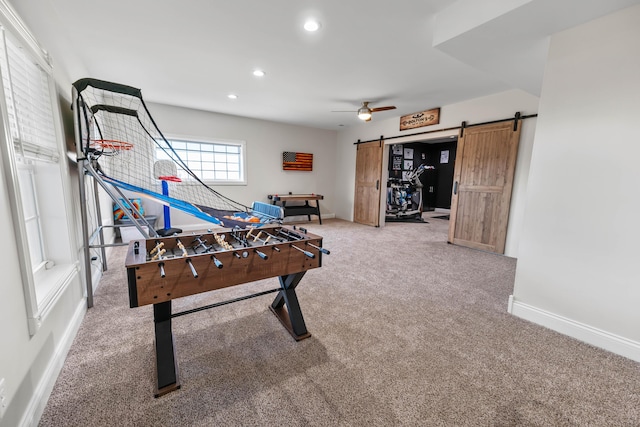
(170, 178)
(111, 144)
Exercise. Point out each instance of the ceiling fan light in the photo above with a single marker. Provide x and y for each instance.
(312, 25)
(364, 114)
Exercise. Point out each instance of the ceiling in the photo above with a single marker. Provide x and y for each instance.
(414, 54)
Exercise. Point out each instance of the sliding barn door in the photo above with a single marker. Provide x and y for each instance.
(368, 183)
(483, 179)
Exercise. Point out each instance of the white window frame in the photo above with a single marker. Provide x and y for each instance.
(29, 190)
(220, 142)
(45, 283)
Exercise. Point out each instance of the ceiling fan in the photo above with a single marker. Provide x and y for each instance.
(365, 112)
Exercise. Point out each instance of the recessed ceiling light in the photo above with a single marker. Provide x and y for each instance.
(258, 73)
(232, 96)
(311, 25)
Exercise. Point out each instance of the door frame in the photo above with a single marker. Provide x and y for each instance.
(446, 136)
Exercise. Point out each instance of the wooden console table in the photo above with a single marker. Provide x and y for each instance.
(293, 210)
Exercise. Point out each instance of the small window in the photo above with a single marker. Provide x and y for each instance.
(219, 162)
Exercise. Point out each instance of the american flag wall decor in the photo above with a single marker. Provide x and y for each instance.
(292, 161)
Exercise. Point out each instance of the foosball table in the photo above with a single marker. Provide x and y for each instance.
(162, 269)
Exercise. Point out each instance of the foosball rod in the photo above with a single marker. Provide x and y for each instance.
(221, 239)
(307, 253)
(323, 250)
(158, 254)
(193, 269)
(162, 274)
(240, 240)
(181, 246)
(245, 254)
(220, 242)
(266, 241)
(289, 235)
(200, 242)
(286, 236)
(213, 245)
(157, 247)
(275, 237)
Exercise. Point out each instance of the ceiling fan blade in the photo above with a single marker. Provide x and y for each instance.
(389, 107)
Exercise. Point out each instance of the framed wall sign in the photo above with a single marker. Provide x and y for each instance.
(292, 161)
(420, 119)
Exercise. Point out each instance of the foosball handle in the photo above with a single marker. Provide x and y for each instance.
(261, 254)
(323, 250)
(216, 261)
(307, 253)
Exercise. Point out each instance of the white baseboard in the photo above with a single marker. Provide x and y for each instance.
(303, 218)
(580, 331)
(41, 394)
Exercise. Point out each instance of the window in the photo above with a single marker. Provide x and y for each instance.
(31, 148)
(211, 161)
(32, 220)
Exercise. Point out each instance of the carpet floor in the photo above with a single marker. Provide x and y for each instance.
(407, 330)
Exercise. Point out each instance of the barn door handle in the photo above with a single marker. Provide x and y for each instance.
(377, 184)
(455, 187)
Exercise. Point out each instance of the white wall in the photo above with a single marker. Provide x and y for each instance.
(30, 364)
(493, 107)
(265, 143)
(578, 258)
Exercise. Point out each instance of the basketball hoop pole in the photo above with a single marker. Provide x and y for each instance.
(167, 230)
(167, 215)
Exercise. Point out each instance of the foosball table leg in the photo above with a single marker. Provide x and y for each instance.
(287, 308)
(166, 367)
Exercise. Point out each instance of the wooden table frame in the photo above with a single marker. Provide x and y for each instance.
(285, 307)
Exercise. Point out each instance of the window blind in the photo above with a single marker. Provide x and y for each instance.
(28, 99)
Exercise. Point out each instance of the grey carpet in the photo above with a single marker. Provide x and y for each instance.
(441, 217)
(406, 331)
